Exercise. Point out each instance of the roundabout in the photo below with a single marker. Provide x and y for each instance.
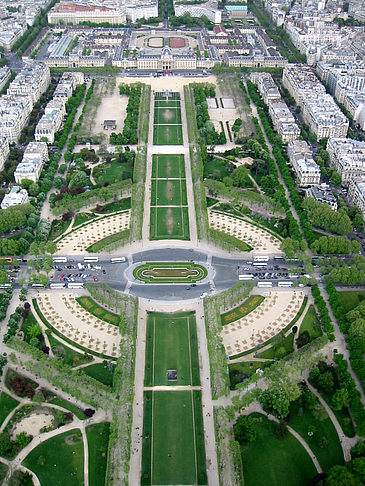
(170, 272)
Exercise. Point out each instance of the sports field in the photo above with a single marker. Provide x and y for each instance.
(171, 344)
(173, 439)
(169, 223)
(168, 166)
(168, 192)
(167, 115)
(167, 135)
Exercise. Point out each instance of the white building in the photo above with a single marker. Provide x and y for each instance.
(266, 86)
(5, 75)
(72, 13)
(4, 151)
(36, 149)
(347, 156)
(301, 158)
(324, 117)
(356, 194)
(198, 10)
(144, 10)
(15, 197)
(14, 114)
(323, 196)
(50, 122)
(33, 80)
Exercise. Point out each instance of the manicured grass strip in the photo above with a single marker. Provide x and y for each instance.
(170, 272)
(310, 323)
(225, 238)
(328, 456)
(96, 310)
(243, 309)
(3, 471)
(110, 242)
(59, 461)
(240, 371)
(167, 135)
(147, 439)
(28, 322)
(173, 447)
(168, 192)
(199, 438)
(167, 104)
(102, 372)
(7, 404)
(270, 461)
(97, 440)
(164, 166)
(69, 406)
(280, 349)
(167, 115)
(169, 223)
(66, 354)
(171, 349)
(351, 299)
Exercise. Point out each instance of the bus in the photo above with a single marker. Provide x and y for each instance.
(91, 259)
(76, 285)
(5, 286)
(278, 258)
(264, 284)
(259, 264)
(57, 285)
(248, 276)
(261, 259)
(38, 285)
(118, 260)
(6, 260)
(285, 284)
(59, 259)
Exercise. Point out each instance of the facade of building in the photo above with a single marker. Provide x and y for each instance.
(144, 10)
(356, 194)
(33, 80)
(14, 114)
(323, 196)
(198, 10)
(347, 157)
(71, 13)
(300, 156)
(4, 151)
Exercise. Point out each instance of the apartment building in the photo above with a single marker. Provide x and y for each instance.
(72, 13)
(301, 158)
(198, 10)
(48, 125)
(266, 86)
(5, 75)
(33, 80)
(356, 194)
(301, 82)
(14, 114)
(324, 117)
(322, 195)
(35, 155)
(347, 157)
(15, 197)
(143, 10)
(4, 151)
(36, 149)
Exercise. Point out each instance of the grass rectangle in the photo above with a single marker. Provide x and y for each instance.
(162, 103)
(102, 372)
(167, 135)
(171, 344)
(97, 440)
(168, 166)
(169, 223)
(168, 192)
(351, 299)
(7, 404)
(243, 309)
(170, 114)
(172, 444)
(96, 310)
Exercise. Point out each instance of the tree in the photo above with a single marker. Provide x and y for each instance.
(341, 476)
(34, 330)
(340, 399)
(79, 178)
(51, 247)
(3, 277)
(244, 429)
(326, 382)
(303, 339)
(5, 443)
(336, 178)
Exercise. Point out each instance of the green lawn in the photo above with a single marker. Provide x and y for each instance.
(112, 172)
(310, 323)
(3, 471)
(69, 406)
(28, 322)
(164, 166)
(96, 310)
(101, 372)
(167, 135)
(171, 344)
(270, 461)
(68, 355)
(351, 299)
(170, 272)
(169, 223)
(327, 457)
(168, 192)
(7, 404)
(119, 205)
(173, 439)
(217, 169)
(164, 115)
(245, 369)
(280, 349)
(59, 461)
(97, 440)
(243, 309)
(162, 103)
(82, 218)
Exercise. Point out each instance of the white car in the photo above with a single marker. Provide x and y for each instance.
(203, 295)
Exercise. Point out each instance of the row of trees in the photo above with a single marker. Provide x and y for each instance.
(323, 312)
(331, 245)
(130, 127)
(322, 216)
(205, 126)
(350, 272)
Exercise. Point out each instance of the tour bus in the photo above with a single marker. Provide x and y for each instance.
(6, 260)
(57, 285)
(285, 284)
(248, 276)
(278, 258)
(259, 264)
(5, 286)
(38, 285)
(91, 259)
(264, 284)
(59, 259)
(118, 260)
(76, 285)
(261, 259)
